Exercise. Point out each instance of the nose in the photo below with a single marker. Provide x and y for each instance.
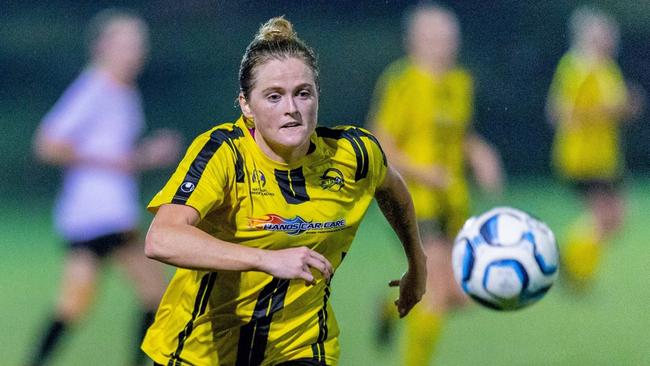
(291, 106)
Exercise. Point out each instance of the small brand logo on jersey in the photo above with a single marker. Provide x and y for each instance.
(296, 225)
(332, 180)
(187, 187)
(258, 184)
(257, 176)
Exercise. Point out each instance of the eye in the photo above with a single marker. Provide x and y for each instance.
(304, 93)
(273, 97)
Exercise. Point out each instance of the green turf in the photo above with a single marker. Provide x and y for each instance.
(608, 326)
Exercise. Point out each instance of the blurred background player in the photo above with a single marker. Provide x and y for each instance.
(92, 133)
(587, 103)
(422, 115)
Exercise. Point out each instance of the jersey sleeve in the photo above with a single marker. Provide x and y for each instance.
(463, 87)
(202, 178)
(64, 121)
(388, 108)
(565, 83)
(615, 93)
(372, 164)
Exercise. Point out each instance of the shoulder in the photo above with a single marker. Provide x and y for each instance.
(396, 70)
(461, 72)
(353, 143)
(217, 150)
(86, 87)
(461, 76)
(220, 133)
(342, 132)
(569, 62)
(219, 140)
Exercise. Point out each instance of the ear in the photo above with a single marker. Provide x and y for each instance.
(245, 107)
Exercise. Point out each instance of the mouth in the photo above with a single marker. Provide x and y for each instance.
(291, 124)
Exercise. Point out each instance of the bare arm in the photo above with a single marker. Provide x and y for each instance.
(53, 152)
(173, 239)
(62, 153)
(485, 163)
(395, 203)
(161, 148)
(158, 150)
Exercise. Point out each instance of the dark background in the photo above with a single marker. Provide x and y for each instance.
(190, 82)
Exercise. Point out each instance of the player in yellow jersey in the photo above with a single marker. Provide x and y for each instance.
(422, 115)
(587, 102)
(258, 216)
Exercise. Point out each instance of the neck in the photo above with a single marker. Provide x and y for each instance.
(591, 54)
(282, 154)
(119, 76)
(433, 67)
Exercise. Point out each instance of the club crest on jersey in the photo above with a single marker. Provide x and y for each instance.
(332, 180)
(296, 225)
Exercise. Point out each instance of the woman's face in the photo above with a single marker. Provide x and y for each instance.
(123, 47)
(283, 103)
(434, 36)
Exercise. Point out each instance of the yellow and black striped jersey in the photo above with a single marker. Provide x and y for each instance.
(586, 144)
(428, 117)
(244, 197)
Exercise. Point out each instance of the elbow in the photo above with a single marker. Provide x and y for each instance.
(153, 247)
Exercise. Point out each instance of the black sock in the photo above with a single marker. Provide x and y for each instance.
(49, 341)
(147, 319)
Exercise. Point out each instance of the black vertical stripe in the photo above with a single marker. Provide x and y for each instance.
(292, 185)
(374, 139)
(200, 305)
(194, 173)
(253, 336)
(318, 348)
(353, 135)
(239, 162)
(357, 145)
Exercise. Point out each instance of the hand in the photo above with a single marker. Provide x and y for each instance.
(160, 149)
(296, 263)
(411, 289)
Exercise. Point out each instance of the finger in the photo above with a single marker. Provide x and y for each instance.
(307, 276)
(401, 309)
(322, 258)
(406, 306)
(394, 283)
(319, 266)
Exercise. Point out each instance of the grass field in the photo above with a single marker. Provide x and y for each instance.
(608, 326)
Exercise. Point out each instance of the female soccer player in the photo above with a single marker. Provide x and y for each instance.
(422, 114)
(258, 216)
(92, 133)
(587, 102)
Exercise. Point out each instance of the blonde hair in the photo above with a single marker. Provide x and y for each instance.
(276, 29)
(275, 39)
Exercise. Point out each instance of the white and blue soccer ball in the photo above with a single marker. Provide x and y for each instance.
(505, 259)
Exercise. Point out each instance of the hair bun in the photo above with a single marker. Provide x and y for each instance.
(276, 29)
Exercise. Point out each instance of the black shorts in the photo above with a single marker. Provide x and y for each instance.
(105, 245)
(585, 187)
(300, 362)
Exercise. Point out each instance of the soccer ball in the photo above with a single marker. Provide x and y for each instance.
(505, 259)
